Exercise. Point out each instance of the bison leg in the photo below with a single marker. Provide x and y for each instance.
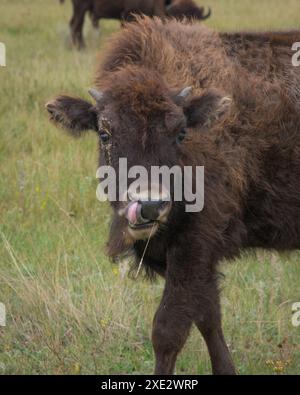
(173, 319)
(77, 21)
(208, 321)
(170, 331)
(94, 20)
(172, 323)
(191, 295)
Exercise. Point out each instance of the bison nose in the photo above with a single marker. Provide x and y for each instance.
(152, 209)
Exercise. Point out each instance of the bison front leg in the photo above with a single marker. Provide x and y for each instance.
(174, 318)
(207, 317)
(191, 295)
(77, 21)
(171, 327)
(94, 20)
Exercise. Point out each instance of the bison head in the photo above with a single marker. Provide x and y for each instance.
(187, 9)
(138, 117)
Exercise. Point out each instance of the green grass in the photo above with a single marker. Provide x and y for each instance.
(69, 310)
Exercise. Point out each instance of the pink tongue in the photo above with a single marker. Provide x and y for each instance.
(132, 213)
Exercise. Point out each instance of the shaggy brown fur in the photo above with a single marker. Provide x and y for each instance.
(250, 148)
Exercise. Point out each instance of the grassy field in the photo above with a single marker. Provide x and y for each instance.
(69, 310)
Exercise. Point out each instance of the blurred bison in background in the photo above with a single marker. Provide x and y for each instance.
(112, 9)
(181, 9)
(124, 9)
(228, 102)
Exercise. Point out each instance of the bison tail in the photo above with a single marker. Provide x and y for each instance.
(207, 15)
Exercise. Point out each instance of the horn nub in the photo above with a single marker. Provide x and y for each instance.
(96, 94)
(185, 92)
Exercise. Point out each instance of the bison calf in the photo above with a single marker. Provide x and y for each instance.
(181, 94)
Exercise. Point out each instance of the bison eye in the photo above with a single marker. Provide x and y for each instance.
(181, 136)
(105, 137)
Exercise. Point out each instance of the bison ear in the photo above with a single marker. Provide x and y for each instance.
(73, 114)
(207, 109)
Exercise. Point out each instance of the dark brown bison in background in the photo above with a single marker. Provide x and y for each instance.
(181, 9)
(124, 9)
(112, 9)
(240, 120)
